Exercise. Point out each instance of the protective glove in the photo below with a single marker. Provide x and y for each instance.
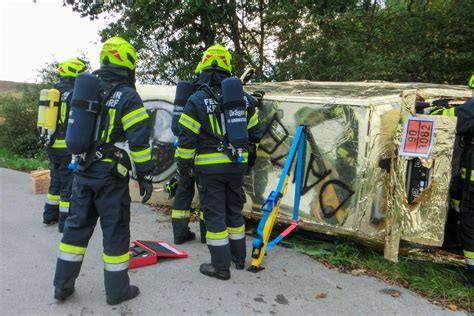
(252, 157)
(146, 186)
(441, 103)
(171, 187)
(258, 95)
(437, 106)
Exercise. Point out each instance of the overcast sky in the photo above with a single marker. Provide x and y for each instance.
(32, 34)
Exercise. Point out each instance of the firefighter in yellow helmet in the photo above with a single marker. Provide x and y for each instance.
(57, 203)
(182, 187)
(462, 185)
(206, 149)
(100, 189)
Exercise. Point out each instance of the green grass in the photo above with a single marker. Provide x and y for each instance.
(11, 160)
(439, 282)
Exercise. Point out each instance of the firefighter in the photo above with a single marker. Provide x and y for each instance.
(184, 194)
(462, 187)
(59, 192)
(203, 150)
(100, 188)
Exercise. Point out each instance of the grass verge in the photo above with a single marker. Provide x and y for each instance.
(441, 283)
(11, 160)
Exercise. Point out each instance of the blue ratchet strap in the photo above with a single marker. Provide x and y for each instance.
(274, 196)
(267, 208)
(299, 179)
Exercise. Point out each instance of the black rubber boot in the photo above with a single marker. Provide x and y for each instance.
(133, 292)
(62, 294)
(50, 214)
(188, 236)
(50, 221)
(239, 263)
(209, 270)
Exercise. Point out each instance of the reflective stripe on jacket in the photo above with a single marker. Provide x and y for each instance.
(128, 120)
(57, 144)
(199, 145)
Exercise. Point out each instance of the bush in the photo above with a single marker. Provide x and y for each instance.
(18, 131)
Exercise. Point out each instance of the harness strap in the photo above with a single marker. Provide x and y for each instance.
(223, 143)
(89, 106)
(95, 154)
(100, 149)
(233, 103)
(180, 102)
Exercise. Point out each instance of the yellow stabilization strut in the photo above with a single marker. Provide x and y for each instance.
(259, 252)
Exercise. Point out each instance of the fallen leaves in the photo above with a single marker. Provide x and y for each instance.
(357, 272)
(321, 295)
(453, 307)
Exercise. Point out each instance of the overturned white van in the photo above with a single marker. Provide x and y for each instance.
(356, 184)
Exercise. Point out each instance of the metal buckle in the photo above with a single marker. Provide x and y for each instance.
(98, 155)
(91, 105)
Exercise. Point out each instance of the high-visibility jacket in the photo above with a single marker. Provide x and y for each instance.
(178, 110)
(464, 114)
(465, 129)
(465, 126)
(462, 190)
(57, 145)
(198, 145)
(128, 121)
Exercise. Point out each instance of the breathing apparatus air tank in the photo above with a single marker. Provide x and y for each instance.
(42, 110)
(235, 118)
(51, 113)
(234, 108)
(184, 89)
(85, 110)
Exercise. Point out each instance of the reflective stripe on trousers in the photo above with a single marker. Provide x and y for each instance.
(469, 255)
(64, 206)
(236, 233)
(53, 199)
(71, 253)
(180, 214)
(116, 263)
(217, 239)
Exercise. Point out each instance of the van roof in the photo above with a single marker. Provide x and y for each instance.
(363, 93)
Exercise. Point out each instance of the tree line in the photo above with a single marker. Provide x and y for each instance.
(326, 40)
